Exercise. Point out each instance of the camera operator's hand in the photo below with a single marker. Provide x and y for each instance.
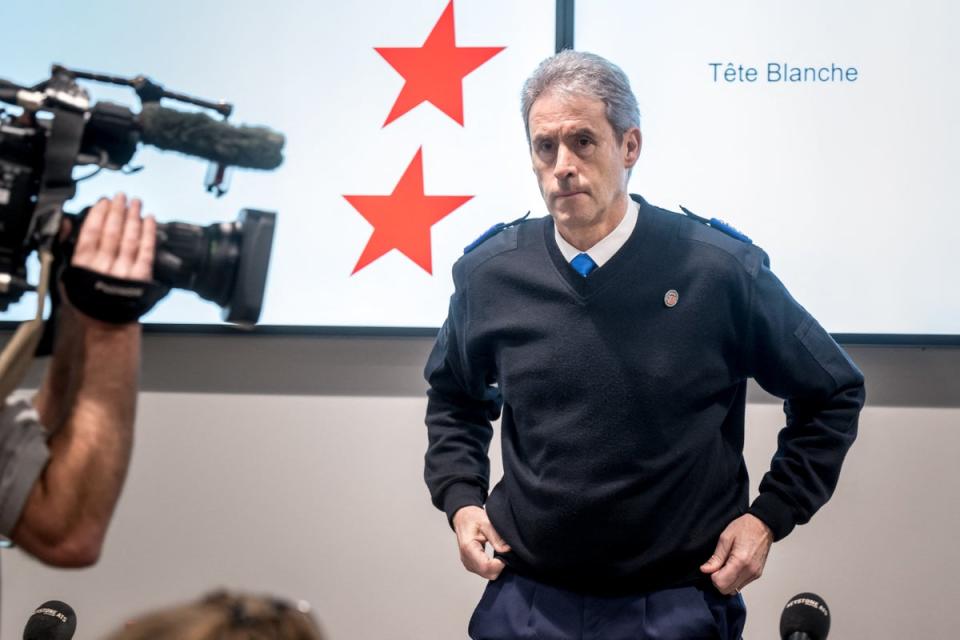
(115, 241)
(110, 274)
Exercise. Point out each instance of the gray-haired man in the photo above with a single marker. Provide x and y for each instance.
(616, 339)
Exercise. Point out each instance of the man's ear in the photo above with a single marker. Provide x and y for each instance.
(632, 142)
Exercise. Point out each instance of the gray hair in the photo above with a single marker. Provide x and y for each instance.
(586, 74)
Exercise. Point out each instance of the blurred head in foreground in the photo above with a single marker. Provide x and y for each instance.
(225, 616)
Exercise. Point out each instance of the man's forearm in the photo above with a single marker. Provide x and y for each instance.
(108, 377)
(89, 398)
(68, 511)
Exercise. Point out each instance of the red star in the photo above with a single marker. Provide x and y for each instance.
(402, 220)
(434, 72)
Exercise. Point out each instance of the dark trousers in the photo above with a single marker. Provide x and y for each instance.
(514, 607)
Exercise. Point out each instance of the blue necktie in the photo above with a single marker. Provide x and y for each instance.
(583, 264)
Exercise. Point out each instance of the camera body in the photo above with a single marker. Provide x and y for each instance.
(21, 161)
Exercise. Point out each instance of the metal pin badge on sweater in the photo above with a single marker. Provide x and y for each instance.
(671, 298)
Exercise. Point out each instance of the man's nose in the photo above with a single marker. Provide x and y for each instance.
(566, 166)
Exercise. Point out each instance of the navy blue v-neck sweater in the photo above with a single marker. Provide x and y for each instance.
(622, 416)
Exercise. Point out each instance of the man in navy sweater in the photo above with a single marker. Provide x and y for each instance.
(616, 340)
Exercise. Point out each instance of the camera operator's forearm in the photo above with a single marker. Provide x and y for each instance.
(66, 516)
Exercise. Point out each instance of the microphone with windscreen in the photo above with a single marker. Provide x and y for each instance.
(806, 617)
(113, 132)
(53, 620)
(197, 134)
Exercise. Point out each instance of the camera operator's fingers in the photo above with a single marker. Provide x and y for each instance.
(110, 235)
(89, 236)
(143, 265)
(129, 241)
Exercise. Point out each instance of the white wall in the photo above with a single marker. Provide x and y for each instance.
(293, 465)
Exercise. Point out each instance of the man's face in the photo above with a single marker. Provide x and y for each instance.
(581, 168)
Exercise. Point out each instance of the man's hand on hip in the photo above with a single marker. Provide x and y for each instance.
(474, 530)
(740, 555)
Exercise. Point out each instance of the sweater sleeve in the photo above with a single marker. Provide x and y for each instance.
(791, 356)
(461, 403)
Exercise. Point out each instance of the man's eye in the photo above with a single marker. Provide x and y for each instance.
(545, 147)
(584, 141)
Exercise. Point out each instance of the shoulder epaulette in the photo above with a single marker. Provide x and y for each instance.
(719, 225)
(492, 231)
